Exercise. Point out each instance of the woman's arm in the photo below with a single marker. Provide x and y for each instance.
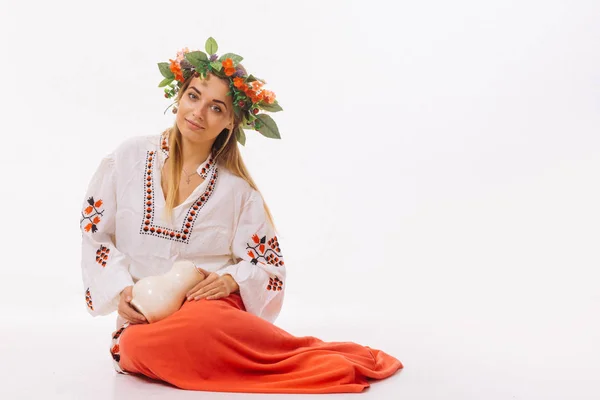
(105, 270)
(260, 271)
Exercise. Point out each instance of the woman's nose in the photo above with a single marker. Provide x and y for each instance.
(200, 111)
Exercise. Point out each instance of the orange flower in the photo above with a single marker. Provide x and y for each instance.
(88, 227)
(89, 210)
(96, 219)
(227, 63)
(256, 85)
(269, 96)
(255, 238)
(176, 69)
(229, 71)
(238, 82)
(98, 204)
(243, 87)
(250, 93)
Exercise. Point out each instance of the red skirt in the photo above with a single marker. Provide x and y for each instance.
(215, 345)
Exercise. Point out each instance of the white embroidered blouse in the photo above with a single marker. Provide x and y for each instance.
(221, 227)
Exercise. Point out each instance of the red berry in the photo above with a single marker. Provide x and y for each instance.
(241, 103)
(255, 111)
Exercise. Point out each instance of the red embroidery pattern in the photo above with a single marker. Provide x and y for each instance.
(102, 255)
(271, 255)
(275, 284)
(117, 334)
(179, 235)
(115, 350)
(164, 144)
(88, 299)
(92, 214)
(115, 353)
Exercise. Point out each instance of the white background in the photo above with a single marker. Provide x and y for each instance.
(435, 189)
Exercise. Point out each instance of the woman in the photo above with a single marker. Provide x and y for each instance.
(186, 194)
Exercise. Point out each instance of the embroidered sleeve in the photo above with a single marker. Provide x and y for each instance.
(105, 269)
(260, 270)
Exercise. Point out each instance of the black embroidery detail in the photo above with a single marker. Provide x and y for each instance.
(115, 350)
(209, 172)
(164, 144)
(102, 255)
(272, 255)
(117, 334)
(88, 299)
(94, 219)
(275, 284)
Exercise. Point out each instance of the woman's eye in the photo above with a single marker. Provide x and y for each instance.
(193, 97)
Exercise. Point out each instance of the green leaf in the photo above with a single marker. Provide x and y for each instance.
(196, 58)
(236, 59)
(240, 136)
(165, 70)
(211, 46)
(216, 65)
(271, 107)
(237, 111)
(252, 78)
(268, 127)
(165, 82)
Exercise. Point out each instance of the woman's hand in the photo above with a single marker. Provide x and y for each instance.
(213, 287)
(126, 311)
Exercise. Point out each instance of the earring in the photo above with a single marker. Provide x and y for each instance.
(174, 110)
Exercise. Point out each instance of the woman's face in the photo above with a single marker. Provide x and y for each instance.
(204, 110)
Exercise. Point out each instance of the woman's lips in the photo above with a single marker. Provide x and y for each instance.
(193, 126)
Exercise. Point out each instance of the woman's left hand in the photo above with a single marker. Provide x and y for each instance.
(213, 287)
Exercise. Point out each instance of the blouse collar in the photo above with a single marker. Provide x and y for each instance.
(203, 169)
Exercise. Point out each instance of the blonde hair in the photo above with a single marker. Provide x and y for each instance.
(225, 151)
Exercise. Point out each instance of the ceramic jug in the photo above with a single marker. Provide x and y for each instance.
(157, 297)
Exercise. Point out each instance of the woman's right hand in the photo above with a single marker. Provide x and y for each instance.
(126, 311)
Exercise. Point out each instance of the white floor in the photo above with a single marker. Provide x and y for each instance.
(452, 350)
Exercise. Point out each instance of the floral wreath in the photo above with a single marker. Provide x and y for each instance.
(249, 97)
